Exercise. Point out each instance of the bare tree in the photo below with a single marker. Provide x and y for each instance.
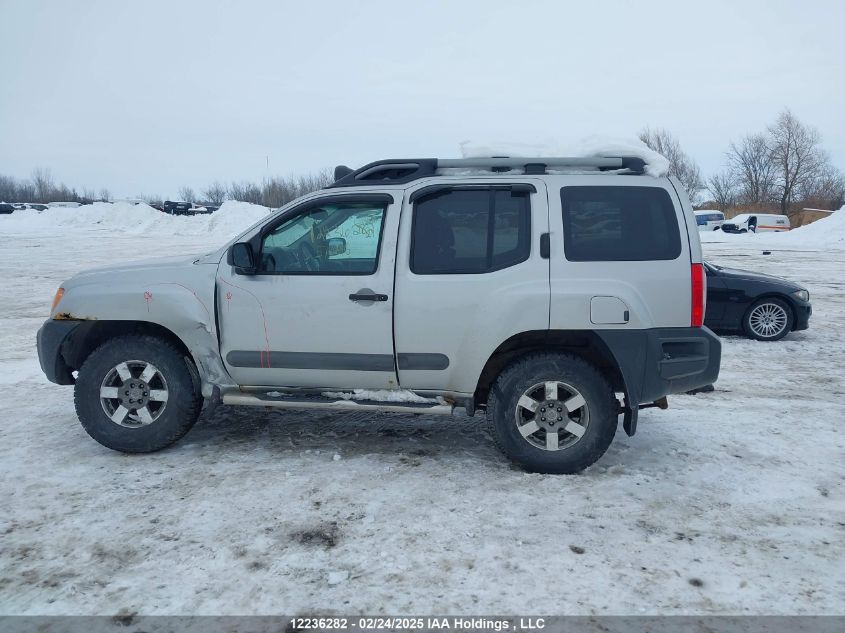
(105, 194)
(186, 194)
(215, 193)
(826, 190)
(42, 179)
(796, 156)
(245, 192)
(277, 192)
(751, 166)
(680, 164)
(9, 189)
(722, 188)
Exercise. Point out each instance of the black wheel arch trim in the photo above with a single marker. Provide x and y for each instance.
(51, 338)
(661, 361)
(64, 344)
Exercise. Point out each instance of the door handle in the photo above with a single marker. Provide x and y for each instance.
(367, 297)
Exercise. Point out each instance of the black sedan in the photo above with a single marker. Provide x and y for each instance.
(765, 308)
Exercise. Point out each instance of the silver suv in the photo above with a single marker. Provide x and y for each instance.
(555, 294)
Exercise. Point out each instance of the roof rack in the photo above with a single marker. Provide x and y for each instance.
(401, 171)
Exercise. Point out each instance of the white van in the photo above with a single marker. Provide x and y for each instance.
(756, 222)
(709, 219)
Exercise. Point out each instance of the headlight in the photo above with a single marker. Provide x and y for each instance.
(802, 295)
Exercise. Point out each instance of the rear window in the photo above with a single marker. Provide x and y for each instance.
(619, 224)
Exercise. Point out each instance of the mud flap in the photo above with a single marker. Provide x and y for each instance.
(629, 421)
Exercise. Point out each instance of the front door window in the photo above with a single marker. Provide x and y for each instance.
(331, 239)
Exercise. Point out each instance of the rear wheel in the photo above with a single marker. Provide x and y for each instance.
(552, 413)
(768, 319)
(137, 394)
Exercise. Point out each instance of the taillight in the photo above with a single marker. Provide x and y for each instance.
(699, 292)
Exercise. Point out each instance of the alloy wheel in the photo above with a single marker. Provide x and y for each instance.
(134, 393)
(552, 415)
(768, 320)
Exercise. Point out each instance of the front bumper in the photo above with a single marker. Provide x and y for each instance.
(51, 337)
(803, 312)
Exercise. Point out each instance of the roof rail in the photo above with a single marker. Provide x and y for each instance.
(401, 171)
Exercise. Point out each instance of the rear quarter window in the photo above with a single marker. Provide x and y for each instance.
(619, 224)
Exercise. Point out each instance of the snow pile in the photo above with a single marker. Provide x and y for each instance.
(234, 217)
(590, 146)
(825, 233)
(135, 219)
(120, 216)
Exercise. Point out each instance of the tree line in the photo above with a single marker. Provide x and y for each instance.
(783, 167)
(272, 192)
(43, 188)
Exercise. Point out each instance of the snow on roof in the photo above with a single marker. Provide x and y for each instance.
(656, 164)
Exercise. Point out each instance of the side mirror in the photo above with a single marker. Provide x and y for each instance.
(336, 245)
(242, 258)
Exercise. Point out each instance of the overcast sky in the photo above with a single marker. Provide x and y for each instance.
(144, 97)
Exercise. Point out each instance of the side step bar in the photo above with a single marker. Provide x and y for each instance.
(262, 400)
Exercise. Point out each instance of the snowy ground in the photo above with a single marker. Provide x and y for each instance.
(729, 502)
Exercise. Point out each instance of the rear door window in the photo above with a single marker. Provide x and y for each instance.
(619, 224)
(470, 231)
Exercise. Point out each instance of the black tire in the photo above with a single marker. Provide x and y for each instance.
(537, 368)
(179, 414)
(749, 330)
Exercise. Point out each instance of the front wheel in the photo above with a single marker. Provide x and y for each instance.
(137, 394)
(768, 319)
(552, 413)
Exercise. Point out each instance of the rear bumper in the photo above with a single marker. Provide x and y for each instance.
(51, 337)
(662, 361)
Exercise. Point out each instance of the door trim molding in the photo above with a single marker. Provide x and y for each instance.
(334, 361)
